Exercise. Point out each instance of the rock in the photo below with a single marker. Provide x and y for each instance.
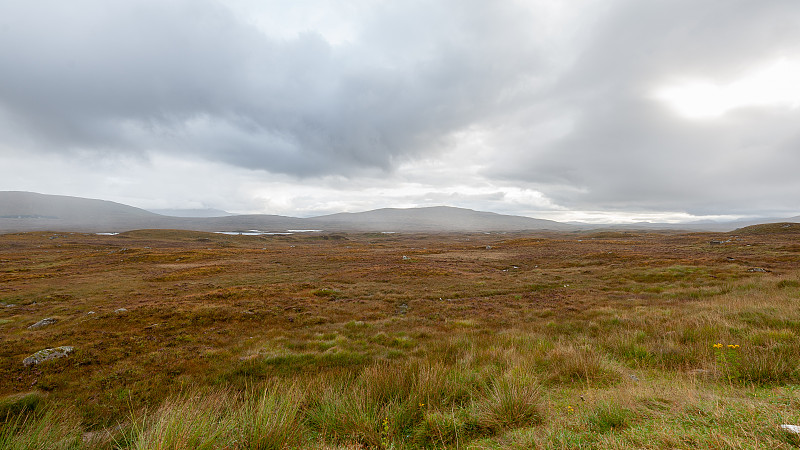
(90, 313)
(488, 247)
(120, 310)
(10, 305)
(405, 258)
(47, 354)
(43, 323)
(757, 269)
(794, 429)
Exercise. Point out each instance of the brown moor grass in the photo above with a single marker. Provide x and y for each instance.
(596, 340)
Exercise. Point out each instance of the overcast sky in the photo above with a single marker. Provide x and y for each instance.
(569, 110)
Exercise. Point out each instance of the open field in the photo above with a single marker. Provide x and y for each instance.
(589, 340)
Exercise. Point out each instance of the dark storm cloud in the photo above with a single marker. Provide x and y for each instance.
(189, 76)
(625, 150)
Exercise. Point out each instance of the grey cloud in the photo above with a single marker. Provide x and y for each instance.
(568, 115)
(625, 151)
(188, 76)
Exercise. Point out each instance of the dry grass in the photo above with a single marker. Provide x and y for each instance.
(605, 340)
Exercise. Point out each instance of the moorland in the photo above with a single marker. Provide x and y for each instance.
(592, 339)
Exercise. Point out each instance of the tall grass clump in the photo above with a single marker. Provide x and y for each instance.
(569, 364)
(19, 404)
(342, 413)
(271, 420)
(48, 431)
(608, 416)
(187, 422)
(442, 428)
(510, 401)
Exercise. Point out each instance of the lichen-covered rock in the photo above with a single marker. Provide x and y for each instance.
(47, 354)
(43, 323)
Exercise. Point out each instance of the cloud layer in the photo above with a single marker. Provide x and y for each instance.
(518, 107)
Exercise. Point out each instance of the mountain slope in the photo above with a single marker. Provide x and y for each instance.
(436, 218)
(32, 205)
(27, 211)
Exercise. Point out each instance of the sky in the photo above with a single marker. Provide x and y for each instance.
(592, 110)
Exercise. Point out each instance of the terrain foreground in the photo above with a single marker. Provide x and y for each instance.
(573, 340)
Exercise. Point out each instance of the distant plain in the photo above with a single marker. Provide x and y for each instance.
(368, 340)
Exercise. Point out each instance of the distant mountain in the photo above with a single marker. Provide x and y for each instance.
(27, 211)
(207, 212)
(436, 218)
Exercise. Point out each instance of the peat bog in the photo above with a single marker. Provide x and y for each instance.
(504, 340)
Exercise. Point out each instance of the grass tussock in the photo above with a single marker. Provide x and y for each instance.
(184, 422)
(271, 420)
(45, 431)
(509, 402)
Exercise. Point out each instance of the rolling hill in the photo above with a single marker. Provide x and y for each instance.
(436, 218)
(27, 211)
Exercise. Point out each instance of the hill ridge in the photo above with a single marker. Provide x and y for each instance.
(29, 211)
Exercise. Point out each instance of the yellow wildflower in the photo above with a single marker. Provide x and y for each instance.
(717, 345)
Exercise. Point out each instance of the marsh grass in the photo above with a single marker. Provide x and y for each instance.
(184, 422)
(16, 405)
(606, 343)
(45, 431)
(607, 417)
(271, 420)
(510, 401)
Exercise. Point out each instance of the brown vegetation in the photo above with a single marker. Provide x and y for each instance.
(403, 341)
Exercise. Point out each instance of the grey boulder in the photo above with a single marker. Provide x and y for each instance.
(47, 354)
(43, 323)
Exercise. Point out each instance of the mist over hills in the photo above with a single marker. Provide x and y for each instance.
(207, 212)
(28, 211)
(435, 218)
